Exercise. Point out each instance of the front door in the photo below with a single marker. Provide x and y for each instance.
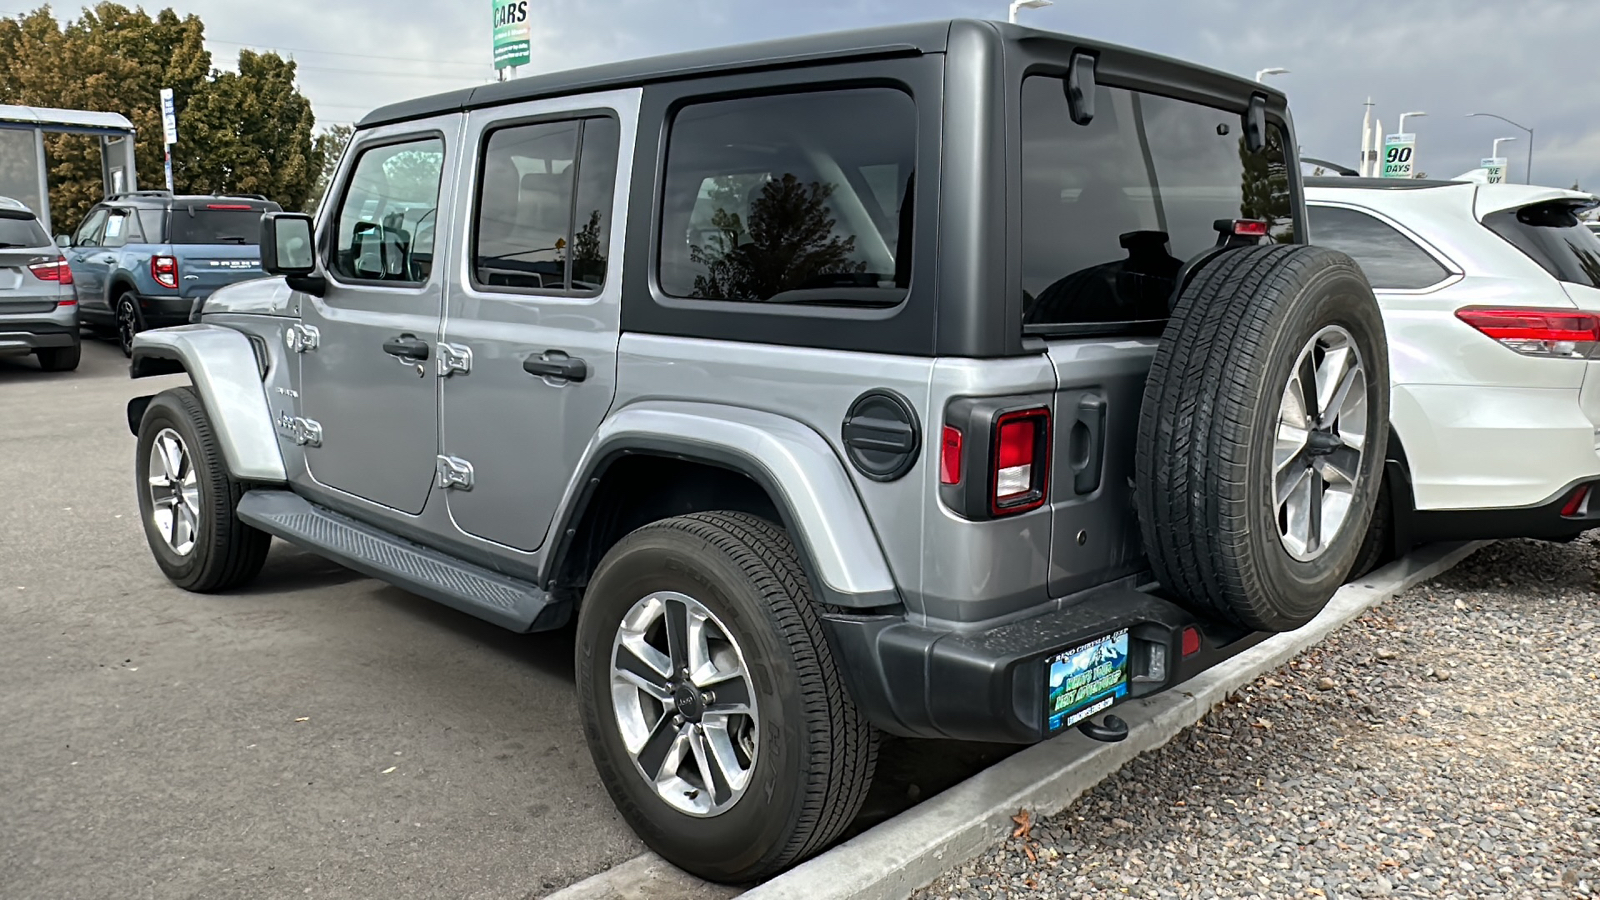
(369, 383)
(90, 262)
(532, 328)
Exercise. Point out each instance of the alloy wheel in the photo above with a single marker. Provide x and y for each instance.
(683, 701)
(1321, 435)
(127, 325)
(174, 492)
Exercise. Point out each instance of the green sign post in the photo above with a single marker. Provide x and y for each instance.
(513, 34)
(1397, 152)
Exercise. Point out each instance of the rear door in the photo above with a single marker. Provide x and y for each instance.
(369, 382)
(1111, 212)
(531, 321)
(216, 243)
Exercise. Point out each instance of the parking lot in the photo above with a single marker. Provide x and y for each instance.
(319, 735)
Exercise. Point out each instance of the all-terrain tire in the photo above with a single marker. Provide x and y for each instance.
(226, 553)
(60, 359)
(816, 751)
(1204, 488)
(1377, 547)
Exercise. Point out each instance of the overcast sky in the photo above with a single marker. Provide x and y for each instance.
(1534, 62)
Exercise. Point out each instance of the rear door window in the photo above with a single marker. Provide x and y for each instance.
(792, 198)
(216, 223)
(1111, 210)
(1551, 235)
(21, 229)
(119, 224)
(1390, 260)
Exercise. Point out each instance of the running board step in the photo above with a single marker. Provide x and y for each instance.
(507, 602)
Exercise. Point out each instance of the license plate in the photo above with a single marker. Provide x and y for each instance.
(1085, 680)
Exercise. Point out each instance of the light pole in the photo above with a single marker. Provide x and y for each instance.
(1018, 5)
(1261, 75)
(1406, 115)
(1528, 179)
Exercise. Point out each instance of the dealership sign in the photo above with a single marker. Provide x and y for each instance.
(1496, 167)
(1397, 152)
(513, 34)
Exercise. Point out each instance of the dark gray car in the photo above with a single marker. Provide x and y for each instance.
(38, 302)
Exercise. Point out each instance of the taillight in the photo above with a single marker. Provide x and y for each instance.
(244, 206)
(58, 271)
(1021, 461)
(1578, 505)
(950, 456)
(1249, 228)
(164, 269)
(1546, 333)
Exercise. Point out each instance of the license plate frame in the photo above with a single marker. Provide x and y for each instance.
(1086, 679)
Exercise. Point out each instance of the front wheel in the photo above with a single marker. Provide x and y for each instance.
(188, 502)
(710, 700)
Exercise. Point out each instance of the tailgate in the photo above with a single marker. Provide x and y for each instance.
(202, 269)
(1094, 527)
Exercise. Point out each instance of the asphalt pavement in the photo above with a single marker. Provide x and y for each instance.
(318, 735)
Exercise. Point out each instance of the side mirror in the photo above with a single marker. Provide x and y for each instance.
(288, 248)
(63, 241)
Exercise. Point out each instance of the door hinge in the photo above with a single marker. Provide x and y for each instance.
(453, 358)
(299, 337)
(454, 473)
(305, 432)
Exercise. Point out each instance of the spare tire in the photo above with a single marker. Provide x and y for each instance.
(1261, 434)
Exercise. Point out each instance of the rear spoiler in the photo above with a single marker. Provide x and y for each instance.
(1493, 198)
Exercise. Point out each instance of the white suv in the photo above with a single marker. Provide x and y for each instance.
(1491, 298)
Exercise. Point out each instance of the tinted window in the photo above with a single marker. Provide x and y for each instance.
(1390, 259)
(118, 225)
(1111, 210)
(798, 198)
(386, 223)
(207, 224)
(150, 224)
(89, 232)
(1551, 235)
(543, 222)
(21, 230)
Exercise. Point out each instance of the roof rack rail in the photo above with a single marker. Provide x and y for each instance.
(119, 196)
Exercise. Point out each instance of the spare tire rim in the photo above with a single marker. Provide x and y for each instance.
(1322, 433)
(174, 492)
(684, 704)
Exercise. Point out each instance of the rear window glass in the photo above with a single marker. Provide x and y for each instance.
(1551, 235)
(192, 225)
(1111, 210)
(1390, 260)
(22, 232)
(794, 198)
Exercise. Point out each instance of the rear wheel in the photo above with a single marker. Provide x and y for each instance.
(60, 359)
(711, 702)
(1259, 455)
(129, 322)
(188, 502)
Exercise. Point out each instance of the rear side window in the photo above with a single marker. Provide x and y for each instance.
(792, 198)
(150, 224)
(386, 223)
(20, 229)
(216, 224)
(1551, 235)
(544, 206)
(1390, 260)
(1112, 209)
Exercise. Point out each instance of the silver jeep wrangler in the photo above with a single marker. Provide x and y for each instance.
(953, 380)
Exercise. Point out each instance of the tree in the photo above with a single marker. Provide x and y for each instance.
(329, 146)
(250, 128)
(790, 243)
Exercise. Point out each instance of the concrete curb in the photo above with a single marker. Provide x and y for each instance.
(907, 852)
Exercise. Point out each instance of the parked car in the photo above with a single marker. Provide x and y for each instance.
(1491, 298)
(744, 358)
(38, 300)
(145, 259)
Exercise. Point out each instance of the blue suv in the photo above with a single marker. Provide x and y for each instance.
(147, 259)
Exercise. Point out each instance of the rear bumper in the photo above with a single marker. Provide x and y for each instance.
(1543, 521)
(160, 312)
(59, 329)
(989, 685)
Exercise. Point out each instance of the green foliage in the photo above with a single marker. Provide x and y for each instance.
(329, 147)
(247, 131)
(787, 242)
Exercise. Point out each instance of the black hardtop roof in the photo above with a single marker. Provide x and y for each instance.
(1379, 184)
(883, 41)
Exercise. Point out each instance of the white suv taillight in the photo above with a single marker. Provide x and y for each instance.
(1021, 461)
(164, 269)
(1545, 333)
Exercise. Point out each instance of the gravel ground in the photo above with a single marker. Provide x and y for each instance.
(1446, 744)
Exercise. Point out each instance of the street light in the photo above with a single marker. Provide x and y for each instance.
(1404, 116)
(1528, 179)
(1495, 154)
(1018, 5)
(1262, 74)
